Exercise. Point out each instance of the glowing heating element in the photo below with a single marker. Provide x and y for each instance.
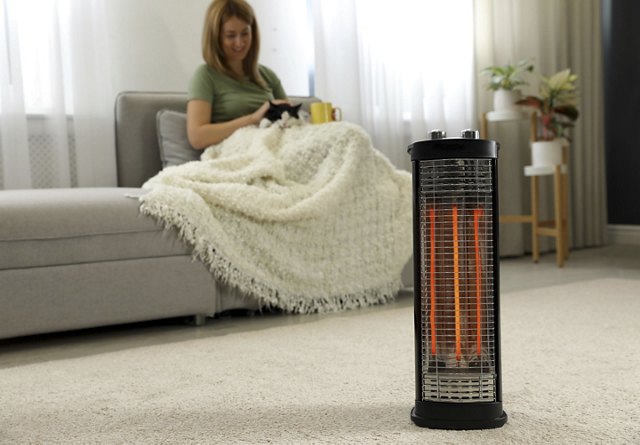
(477, 214)
(456, 282)
(432, 242)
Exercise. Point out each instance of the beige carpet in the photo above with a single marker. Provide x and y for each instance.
(571, 371)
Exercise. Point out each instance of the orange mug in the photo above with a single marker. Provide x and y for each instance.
(323, 112)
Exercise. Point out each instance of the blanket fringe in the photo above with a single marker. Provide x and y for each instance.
(268, 297)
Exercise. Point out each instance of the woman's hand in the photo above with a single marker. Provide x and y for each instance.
(258, 115)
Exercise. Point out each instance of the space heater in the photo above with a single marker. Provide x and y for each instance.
(456, 280)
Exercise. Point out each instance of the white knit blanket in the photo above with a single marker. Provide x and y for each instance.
(310, 218)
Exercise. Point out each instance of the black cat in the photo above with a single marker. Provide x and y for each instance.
(274, 112)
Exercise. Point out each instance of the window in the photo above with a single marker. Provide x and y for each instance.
(33, 34)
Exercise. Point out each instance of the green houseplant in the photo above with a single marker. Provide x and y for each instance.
(507, 77)
(504, 81)
(556, 106)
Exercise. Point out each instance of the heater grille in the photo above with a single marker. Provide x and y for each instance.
(459, 388)
(457, 279)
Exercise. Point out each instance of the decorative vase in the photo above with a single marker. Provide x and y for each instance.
(546, 152)
(505, 100)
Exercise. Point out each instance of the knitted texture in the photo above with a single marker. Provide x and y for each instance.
(306, 219)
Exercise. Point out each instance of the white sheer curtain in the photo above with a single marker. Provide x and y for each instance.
(16, 172)
(56, 120)
(397, 69)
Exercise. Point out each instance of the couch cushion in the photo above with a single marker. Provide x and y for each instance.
(172, 139)
(70, 226)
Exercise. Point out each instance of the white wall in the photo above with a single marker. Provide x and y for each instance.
(287, 41)
(155, 44)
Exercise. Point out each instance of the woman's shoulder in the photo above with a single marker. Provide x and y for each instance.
(206, 71)
(205, 83)
(205, 75)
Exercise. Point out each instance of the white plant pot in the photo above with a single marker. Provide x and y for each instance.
(546, 152)
(505, 100)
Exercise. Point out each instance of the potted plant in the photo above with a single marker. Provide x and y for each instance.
(557, 110)
(505, 81)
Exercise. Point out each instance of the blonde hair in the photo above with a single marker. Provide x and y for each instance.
(218, 13)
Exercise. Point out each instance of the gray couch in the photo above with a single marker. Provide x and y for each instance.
(85, 257)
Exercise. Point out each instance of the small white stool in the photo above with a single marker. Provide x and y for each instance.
(557, 227)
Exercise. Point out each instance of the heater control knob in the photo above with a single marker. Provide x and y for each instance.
(437, 134)
(470, 134)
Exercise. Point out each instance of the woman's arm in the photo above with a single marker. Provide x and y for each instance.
(202, 133)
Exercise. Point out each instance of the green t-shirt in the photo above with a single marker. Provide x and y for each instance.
(231, 98)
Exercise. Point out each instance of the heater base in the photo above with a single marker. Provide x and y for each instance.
(458, 416)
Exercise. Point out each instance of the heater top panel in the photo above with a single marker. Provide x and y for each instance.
(453, 148)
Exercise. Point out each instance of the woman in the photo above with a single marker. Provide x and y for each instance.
(231, 90)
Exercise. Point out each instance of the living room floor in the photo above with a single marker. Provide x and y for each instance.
(615, 261)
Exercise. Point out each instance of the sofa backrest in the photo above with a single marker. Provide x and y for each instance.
(137, 150)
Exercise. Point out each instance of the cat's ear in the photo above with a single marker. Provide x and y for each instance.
(297, 107)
